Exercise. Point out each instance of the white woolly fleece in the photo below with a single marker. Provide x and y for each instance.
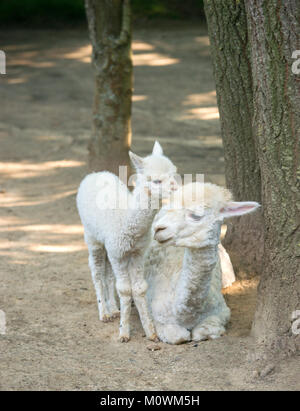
(184, 273)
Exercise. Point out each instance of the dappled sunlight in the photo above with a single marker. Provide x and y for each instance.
(25, 55)
(27, 59)
(25, 169)
(209, 141)
(15, 200)
(153, 59)
(143, 55)
(201, 113)
(15, 251)
(203, 40)
(242, 286)
(5, 244)
(18, 261)
(18, 80)
(16, 47)
(15, 255)
(214, 141)
(61, 138)
(139, 98)
(82, 54)
(56, 248)
(200, 98)
(40, 224)
(19, 240)
(11, 220)
(47, 228)
(20, 252)
(141, 46)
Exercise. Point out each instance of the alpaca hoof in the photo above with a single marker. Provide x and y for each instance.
(106, 318)
(115, 315)
(124, 339)
(154, 338)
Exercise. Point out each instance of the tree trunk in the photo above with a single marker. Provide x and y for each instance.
(109, 24)
(259, 102)
(274, 34)
(227, 27)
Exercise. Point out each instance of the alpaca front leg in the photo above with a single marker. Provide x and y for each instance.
(124, 290)
(139, 289)
(123, 287)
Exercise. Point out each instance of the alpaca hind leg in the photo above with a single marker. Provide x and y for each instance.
(97, 256)
(111, 290)
(172, 333)
(139, 289)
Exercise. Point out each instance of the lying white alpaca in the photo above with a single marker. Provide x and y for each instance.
(184, 291)
(117, 227)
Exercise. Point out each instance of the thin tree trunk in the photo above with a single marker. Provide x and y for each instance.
(274, 34)
(227, 26)
(109, 24)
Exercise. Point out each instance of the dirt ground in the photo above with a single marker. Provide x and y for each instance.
(54, 340)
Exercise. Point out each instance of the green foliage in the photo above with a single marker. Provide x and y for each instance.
(40, 12)
(177, 9)
(31, 11)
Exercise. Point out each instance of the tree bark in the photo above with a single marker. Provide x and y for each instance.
(274, 34)
(227, 27)
(109, 23)
(259, 101)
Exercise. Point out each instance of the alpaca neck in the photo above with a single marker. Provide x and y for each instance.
(194, 282)
(141, 213)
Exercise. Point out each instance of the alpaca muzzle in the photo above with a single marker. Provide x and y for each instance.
(161, 235)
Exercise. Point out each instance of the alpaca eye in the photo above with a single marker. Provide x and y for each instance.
(195, 217)
(157, 181)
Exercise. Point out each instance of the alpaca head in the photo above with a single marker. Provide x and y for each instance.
(156, 173)
(194, 216)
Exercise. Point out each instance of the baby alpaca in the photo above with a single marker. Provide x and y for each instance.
(116, 230)
(184, 276)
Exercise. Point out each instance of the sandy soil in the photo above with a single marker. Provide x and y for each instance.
(54, 340)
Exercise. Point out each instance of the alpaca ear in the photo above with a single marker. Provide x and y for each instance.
(136, 160)
(238, 208)
(157, 149)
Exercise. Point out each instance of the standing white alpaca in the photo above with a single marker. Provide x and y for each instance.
(184, 276)
(117, 226)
